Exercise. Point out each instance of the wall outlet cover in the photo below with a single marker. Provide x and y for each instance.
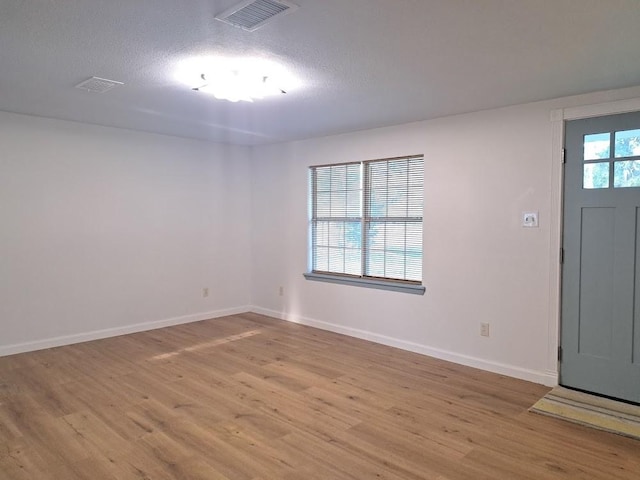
(530, 219)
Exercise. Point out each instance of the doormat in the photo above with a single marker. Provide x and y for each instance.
(590, 410)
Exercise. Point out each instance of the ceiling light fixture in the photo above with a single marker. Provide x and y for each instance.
(236, 86)
(236, 79)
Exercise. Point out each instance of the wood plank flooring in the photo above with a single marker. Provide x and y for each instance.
(248, 397)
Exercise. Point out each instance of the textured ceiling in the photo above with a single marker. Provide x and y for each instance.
(362, 63)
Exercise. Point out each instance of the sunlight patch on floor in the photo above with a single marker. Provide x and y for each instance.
(212, 343)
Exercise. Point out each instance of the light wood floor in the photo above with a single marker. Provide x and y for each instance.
(251, 398)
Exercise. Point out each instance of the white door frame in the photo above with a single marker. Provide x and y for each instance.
(558, 117)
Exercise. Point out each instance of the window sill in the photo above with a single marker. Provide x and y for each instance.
(366, 283)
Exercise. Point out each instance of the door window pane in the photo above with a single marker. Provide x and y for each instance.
(597, 146)
(596, 175)
(627, 143)
(626, 174)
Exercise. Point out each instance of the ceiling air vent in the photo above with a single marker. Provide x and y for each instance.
(253, 14)
(97, 85)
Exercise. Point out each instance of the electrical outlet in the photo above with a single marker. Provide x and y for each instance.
(281, 291)
(205, 292)
(484, 329)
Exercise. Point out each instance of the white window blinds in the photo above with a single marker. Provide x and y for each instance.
(366, 219)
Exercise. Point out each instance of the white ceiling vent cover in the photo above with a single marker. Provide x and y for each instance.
(98, 85)
(253, 14)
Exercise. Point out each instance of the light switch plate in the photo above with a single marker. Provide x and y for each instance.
(530, 219)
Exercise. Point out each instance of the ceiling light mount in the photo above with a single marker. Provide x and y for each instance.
(237, 78)
(236, 86)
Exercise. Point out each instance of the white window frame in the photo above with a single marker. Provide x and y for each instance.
(364, 217)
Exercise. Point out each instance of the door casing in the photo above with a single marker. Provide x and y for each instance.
(558, 118)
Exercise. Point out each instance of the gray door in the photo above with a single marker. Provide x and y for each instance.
(601, 270)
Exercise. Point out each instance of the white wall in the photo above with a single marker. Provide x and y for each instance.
(106, 231)
(482, 171)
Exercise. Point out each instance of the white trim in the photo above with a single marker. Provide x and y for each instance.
(601, 109)
(555, 241)
(558, 118)
(380, 284)
(548, 378)
(115, 331)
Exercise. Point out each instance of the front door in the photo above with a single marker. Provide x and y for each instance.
(601, 245)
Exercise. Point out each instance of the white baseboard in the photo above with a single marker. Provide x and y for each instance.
(116, 331)
(548, 378)
(542, 377)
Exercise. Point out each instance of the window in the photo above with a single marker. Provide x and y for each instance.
(600, 166)
(366, 223)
